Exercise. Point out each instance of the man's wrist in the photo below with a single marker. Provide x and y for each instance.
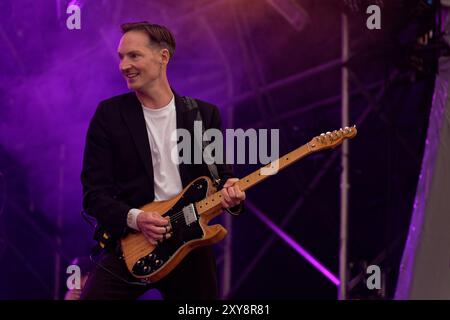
(132, 218)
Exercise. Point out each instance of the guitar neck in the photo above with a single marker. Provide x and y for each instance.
(272, 168)
(210, 204)
(213, 201)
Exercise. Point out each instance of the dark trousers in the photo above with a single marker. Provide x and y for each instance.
(194, 278)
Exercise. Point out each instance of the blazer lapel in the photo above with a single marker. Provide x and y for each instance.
(134, 118)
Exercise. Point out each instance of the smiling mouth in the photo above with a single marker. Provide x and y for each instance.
(131, 75)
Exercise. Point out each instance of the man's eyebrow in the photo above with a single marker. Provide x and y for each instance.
(129, 52)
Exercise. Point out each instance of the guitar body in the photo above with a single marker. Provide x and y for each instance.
(151, 263)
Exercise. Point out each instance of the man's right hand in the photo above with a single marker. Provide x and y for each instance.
(154, 227)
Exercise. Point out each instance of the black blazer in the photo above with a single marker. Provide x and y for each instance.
(117, 172)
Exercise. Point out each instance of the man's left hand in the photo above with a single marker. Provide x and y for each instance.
(231, 194)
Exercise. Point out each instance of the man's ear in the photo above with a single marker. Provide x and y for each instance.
(165, 56)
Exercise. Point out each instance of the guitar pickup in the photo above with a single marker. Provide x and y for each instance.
(189, 214)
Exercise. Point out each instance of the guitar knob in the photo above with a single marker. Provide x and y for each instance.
(158, 262)
(146, 269)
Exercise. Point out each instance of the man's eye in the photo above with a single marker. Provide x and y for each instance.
(134, 56)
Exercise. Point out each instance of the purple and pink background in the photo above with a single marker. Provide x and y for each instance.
(264, 68)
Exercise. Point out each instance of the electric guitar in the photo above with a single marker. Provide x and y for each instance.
(198, 203)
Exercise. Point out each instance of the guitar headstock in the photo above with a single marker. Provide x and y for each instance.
(332, 139)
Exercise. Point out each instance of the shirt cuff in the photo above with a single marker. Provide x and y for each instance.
(132, 218)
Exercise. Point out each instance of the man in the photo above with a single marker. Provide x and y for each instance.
(127, 163)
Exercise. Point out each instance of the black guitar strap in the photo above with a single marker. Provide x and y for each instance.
(192, 105)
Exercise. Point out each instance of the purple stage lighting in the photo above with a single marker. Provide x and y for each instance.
(283, 235)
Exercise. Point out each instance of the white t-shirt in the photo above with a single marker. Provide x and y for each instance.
(161, 123)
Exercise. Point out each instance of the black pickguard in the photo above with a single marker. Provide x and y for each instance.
(182, 232)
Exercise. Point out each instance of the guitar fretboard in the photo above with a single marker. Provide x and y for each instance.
(257, 176)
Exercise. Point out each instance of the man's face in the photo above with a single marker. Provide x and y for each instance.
(140, 64)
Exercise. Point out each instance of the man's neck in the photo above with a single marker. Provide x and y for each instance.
(155, 98)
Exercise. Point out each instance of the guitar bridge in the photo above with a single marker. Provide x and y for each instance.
(189, 214)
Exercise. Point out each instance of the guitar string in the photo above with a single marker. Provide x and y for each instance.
(178, 214)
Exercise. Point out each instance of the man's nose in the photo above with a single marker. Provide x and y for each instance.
(124, 66)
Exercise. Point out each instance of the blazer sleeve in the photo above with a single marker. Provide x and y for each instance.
(97, 178)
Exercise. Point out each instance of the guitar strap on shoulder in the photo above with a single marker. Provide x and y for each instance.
(192, 105)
